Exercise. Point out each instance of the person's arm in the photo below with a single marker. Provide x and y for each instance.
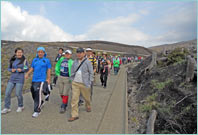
(29, 72)
(57, 68)
(109, 66)
(49, 66)
(91, 72)
(48, 76)
(9, 69)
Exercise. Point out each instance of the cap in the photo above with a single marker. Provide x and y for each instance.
(68, 51)
(80, 50)
(88, 49)
(41, 48)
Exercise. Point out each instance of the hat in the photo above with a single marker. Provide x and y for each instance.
(88, 49)
(68, 51)
(43, 49)
(40, 48)
(80, 50)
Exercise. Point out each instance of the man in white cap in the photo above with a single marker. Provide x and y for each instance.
(63, 71)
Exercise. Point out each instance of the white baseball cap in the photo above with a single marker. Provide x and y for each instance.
(68, 51)
(88, 49)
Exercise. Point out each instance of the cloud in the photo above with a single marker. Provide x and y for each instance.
(119, 29)
(42, 10)
(178, 24)
(18, 25)
(143, 27)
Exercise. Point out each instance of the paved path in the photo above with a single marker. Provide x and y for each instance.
(108, 114)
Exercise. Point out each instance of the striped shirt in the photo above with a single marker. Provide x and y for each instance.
(93, 61)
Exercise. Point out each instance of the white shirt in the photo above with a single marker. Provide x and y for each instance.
(78, 76)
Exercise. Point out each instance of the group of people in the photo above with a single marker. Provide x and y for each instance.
(77, 75)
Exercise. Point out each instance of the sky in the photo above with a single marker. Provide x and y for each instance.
(144, 23)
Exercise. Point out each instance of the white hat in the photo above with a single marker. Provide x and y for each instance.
(68, 51)
(88, 49)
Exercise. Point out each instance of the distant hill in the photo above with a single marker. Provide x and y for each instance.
(98, 45)
(8, 47)
(191, 45)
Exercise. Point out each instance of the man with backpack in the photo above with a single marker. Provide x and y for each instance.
(82, 78)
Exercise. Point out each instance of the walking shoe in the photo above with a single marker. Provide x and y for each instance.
(81, 102)
(35, 114)
(5, 110)
(73, 119)
(104, 87)
(63, 108)
(53, 84)
(20, 109)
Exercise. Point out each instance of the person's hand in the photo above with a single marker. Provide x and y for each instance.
(94, 70)
(19, 70)
(48, 81)
(13, 70)
(26, 76)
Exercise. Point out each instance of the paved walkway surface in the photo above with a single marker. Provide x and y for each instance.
(109, 113)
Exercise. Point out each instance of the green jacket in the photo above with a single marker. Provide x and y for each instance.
(58, 65)
(116, 62)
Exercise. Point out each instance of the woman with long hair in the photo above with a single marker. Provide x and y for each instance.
(18, 66)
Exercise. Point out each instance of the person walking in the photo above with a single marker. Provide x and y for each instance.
(82, 78)
(116, 65)
(105, 70)
(59, 55)
(63, 72)
(92, 59)
(99, 58)
(18, 66)
(41, 68)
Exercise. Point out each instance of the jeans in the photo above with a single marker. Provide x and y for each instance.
(116, 69)
(103, 77)
(10, 87)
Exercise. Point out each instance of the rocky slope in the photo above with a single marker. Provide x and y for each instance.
(163, 88)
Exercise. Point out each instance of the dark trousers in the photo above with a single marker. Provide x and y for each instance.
(116, 69)
(36, 90)
(55, 79)
(103, 77)
(98, 69)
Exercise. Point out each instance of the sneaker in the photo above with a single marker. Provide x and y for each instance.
(20, 109)
(62, 110)
(80, 103)
(5, 110)
(35, 114)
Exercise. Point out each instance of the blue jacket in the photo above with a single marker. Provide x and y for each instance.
(18, 77)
